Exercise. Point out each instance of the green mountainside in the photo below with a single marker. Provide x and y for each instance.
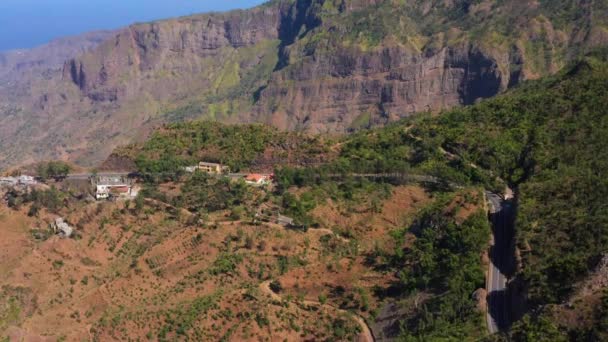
(546, 139)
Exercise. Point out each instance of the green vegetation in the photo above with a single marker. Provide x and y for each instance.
(178, 145)
(535, 329)
(182, 319)
(600, 331)
(183, 144)
(225, 264)
(547, 140)
(51, 199)
(53, 169)
(206, 193)
(444, 260)
(10, 312)
(15, 304)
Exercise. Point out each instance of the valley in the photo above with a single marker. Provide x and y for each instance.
(311, 170)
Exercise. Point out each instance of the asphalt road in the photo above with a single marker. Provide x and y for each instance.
(501, 212)
(89, 175)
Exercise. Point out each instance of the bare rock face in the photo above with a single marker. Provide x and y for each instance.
(177, 46)
(330, 92)
(19, 63)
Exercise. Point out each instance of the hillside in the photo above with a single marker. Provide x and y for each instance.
(319, 66)
(194, 256)
(545, 139)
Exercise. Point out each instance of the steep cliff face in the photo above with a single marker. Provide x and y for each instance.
(130, 63)
(138, 78)
(362, 63)
(17, 64)
(315, 65)
(350, 89)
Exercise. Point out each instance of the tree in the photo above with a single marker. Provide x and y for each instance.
(33, 210)
(536, 329)
(139, 203)
(53, 169)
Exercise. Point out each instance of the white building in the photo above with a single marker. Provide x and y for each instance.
(211, 168)
(116, 186)
(257, 179)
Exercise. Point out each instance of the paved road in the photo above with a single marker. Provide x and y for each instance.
(86, 175)
(89, 175)
(501, 213)
(403, 176)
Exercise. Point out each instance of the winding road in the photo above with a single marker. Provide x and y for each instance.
(501, 214)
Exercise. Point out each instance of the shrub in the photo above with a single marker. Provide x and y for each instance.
(276, 286)
(225, 264)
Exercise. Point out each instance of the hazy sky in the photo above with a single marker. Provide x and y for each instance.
(27, 23)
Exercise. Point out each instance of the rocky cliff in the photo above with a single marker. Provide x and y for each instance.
(351, 90)
(129, 64)
(14, 63)
(315, 65)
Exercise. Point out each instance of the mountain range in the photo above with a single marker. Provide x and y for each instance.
(322, 66)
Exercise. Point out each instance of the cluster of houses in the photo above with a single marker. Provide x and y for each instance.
(22, 180)
(122, 186)
(254, 179)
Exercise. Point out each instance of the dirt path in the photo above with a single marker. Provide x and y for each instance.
(330, 232)
(366, 333)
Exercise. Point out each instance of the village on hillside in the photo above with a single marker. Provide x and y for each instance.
(121, 186)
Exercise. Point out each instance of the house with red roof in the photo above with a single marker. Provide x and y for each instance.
(257, 179)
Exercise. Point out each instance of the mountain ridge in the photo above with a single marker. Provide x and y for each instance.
(319, 66)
